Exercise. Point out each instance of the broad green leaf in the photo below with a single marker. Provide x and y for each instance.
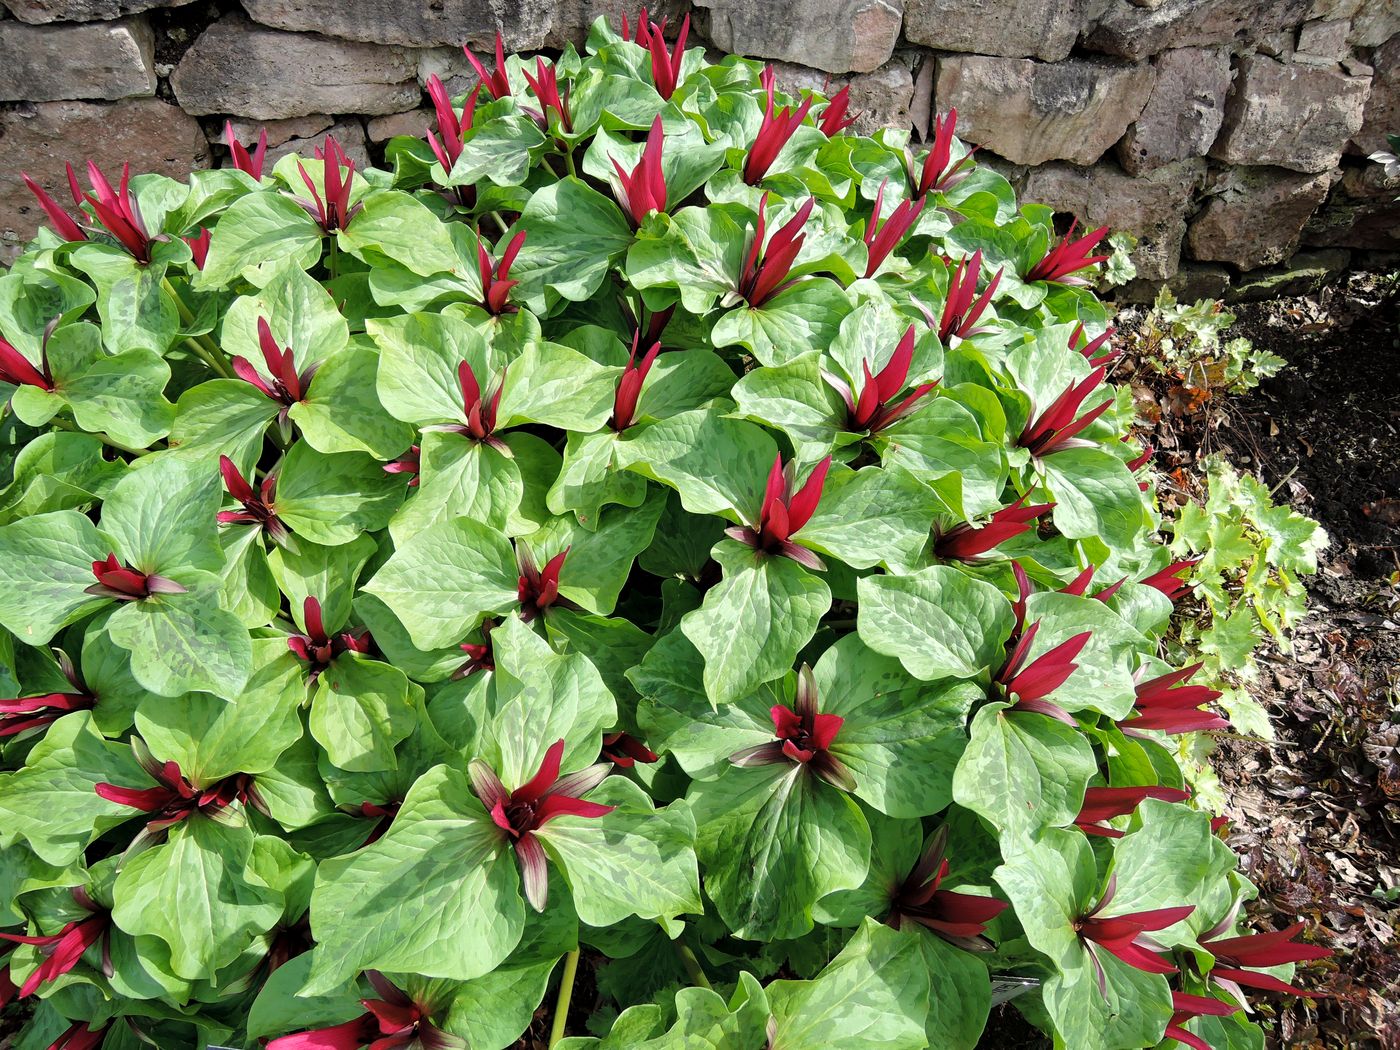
(717, 464)
(45, 565)
(30, 300)
(600, 559)
(461, 478)
(591, 479)
(333, 499)
(1172, 859)
(418, 359)
(573, 234)
(500, 150)
(136, 312)
(492, 1011)
(869, 517)
(1023, 770)
(1095, 494)
(161, 515)
(773, 840)
(300, 313)
(222, 417)
(341, 411)
(1103, 678)
(939, 622)
(806, 315)
(557, 386)
(194, 892)
(278, 1009)
(943, 439)
(257, 229)
(183, 643)
(704, 1021)
(362, 709)
(696, 254)
(753, 622)
(57, 471)
(438, 895)
(446, 579)
(796, 399)
(397, 226)
(328, 574)
(636, 860)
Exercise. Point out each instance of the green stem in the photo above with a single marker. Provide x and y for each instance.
(500, 223)
(566, 993)
(64, 424)
(333, 260)
(203, 346)
(569, 162)
(691, 964)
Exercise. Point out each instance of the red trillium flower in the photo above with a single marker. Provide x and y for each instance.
(257, 505)
(1237, 958)
(1126, 935)
(80, 1036)
(408, 464)
(1029, 684)
(30, 712)
(802, 737)
(125, 584)
(61, 951)
(248, 163)
(1054, 429)
(174, 798)
(784, 512)
(642, 190)
(963, 306)
(451, 125)
(665, 65)
(116, 210)
(834, 119)
(1185, 1007)
(287, 386)
(537, 588)
(966, 541)
(317, 647)
(333, 212)
(545, 85)
(480, 408)
(881, 238)
(199, 246)
(1102, 804)
(625, 751)
(1078, 586)
(393, 1020)
(495, 277)
(520, 813)
(939, 171)
(959, 918)
(775, 131)
(1068, 258)
(879, 404)
(17, 370)
(766, 266)
(287, 941)
(383, 815)
(496, 83)
(1167, 705)
(1092, 347)
(480, 656)
(1169, 580)
(62, 223)
(629, 384)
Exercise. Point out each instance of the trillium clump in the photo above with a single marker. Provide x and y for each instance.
(644, 531)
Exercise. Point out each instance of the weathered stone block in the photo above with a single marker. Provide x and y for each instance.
(1255, 215)
(153, 135)
(457, 22)
(881, 98)
(98, 60)
(350, 133)
(1184, 111)
(1134, 32)
(40, 12)
(414, 122)
(1297, 117)
(1032, 112)
(278, 131)
(1323, 43)
(1363, 212)
(266, 74)
(1303, 274)
(1382, 114)
(1191, 282)
(1045, 29)
(839, 36)
(1375, 22)
(1152, 208)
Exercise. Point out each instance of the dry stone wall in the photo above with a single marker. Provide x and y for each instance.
(1227, 135)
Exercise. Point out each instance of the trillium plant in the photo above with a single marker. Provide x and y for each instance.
(645, 567)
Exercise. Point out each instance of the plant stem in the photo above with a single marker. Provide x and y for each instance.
(566, 993)
(500, 223)
(203, 347)
(333, 260)
(691, 964)
(64, 424)
(569, 162)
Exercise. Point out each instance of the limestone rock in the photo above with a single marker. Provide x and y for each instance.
(454, 22)
(1255, 215)
(1134, 32)
(1191, 282)
(1363, 212)
(350, 133)
(266, 74)
(1031, 112)
(98, 60)
(1044, 29)
(415, 122)
(1303, 274)
(1152, 208)
(1375, 22)
(1382, 115)
(40, 12)
(1297, 117)
(1183, 113)
(278, 131)
(1323, 43)
(882, 98)
(839, 36)
(153, 135)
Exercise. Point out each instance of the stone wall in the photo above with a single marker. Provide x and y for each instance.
(1228, 135)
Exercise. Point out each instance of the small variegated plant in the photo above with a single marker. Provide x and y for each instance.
(649, 529)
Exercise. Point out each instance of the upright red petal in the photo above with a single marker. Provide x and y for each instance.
(804, 502)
